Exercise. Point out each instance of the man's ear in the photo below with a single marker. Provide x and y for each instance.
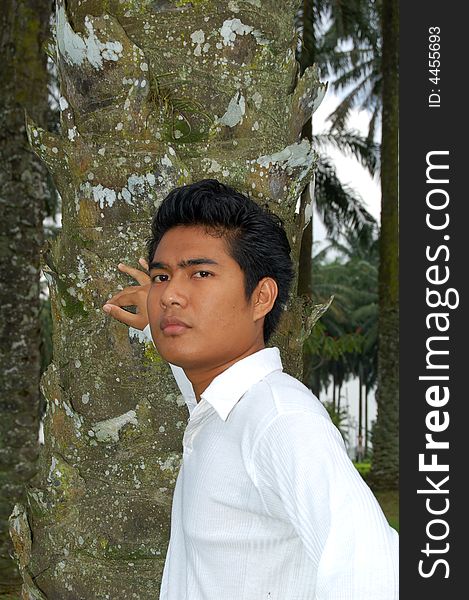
(264, 297)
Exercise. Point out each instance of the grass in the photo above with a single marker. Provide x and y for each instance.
(389, 502)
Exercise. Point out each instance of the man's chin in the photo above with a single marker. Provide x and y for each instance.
(180, 357)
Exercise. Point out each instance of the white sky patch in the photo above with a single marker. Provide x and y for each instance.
(308, 212)
(316, 101)
(348, 169)
(235, 111)
(76, 48)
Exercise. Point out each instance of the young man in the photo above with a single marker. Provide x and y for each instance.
(267, 504)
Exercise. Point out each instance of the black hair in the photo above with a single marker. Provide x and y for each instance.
(255, 237)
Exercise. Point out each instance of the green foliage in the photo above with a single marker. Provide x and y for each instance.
(355, 45)
(349, 53)
(344, 343)
(344, 40)
(363, 468)
(339, 416)
(389, 502)
(352, 143)
(388, 499)
(325, 345)
(339, 206)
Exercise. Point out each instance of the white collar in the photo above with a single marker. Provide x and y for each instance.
(228, 387)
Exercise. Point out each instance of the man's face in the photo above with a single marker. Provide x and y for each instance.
(197, 307)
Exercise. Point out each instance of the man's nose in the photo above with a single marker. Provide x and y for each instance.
(174, 293)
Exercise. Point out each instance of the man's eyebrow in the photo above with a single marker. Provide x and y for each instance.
(157, 265)
(197, 261)
(190, 262)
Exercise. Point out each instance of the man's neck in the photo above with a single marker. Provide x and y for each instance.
(202, 378)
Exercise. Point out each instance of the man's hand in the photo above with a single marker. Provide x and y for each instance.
(135, 295)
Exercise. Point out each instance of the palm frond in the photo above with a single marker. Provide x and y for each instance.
(339, 206)
(352, 143)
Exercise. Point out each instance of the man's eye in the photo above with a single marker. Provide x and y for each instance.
(202, 274)
(160, 278)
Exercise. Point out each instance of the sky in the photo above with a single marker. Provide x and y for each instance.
(348, 169)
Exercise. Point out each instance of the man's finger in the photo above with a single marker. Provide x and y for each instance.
(129, 296)
(133, 320)
(137, 274)
(144, 263)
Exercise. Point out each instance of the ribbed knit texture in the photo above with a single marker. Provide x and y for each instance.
(268, 505)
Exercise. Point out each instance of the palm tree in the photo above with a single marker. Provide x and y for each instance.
(362, 267)
(339, 206)
(385, 471)
(334, 342)
(351, 322)
(367, 72)
(353, 62)
(140, 114)
(23, 202)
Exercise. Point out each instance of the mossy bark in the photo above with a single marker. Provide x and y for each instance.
(385, 468)
(23, 190)
(153, 95)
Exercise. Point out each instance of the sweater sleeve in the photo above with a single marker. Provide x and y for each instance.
(304, 475)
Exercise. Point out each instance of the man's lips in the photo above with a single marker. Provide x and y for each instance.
(173, 326)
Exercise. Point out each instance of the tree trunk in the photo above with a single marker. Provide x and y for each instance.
(305, 261)
(385, 469)
(23, 79)
(305, 270)
(367, 391)
(153, 95)
(305, 267)
(360, 414)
